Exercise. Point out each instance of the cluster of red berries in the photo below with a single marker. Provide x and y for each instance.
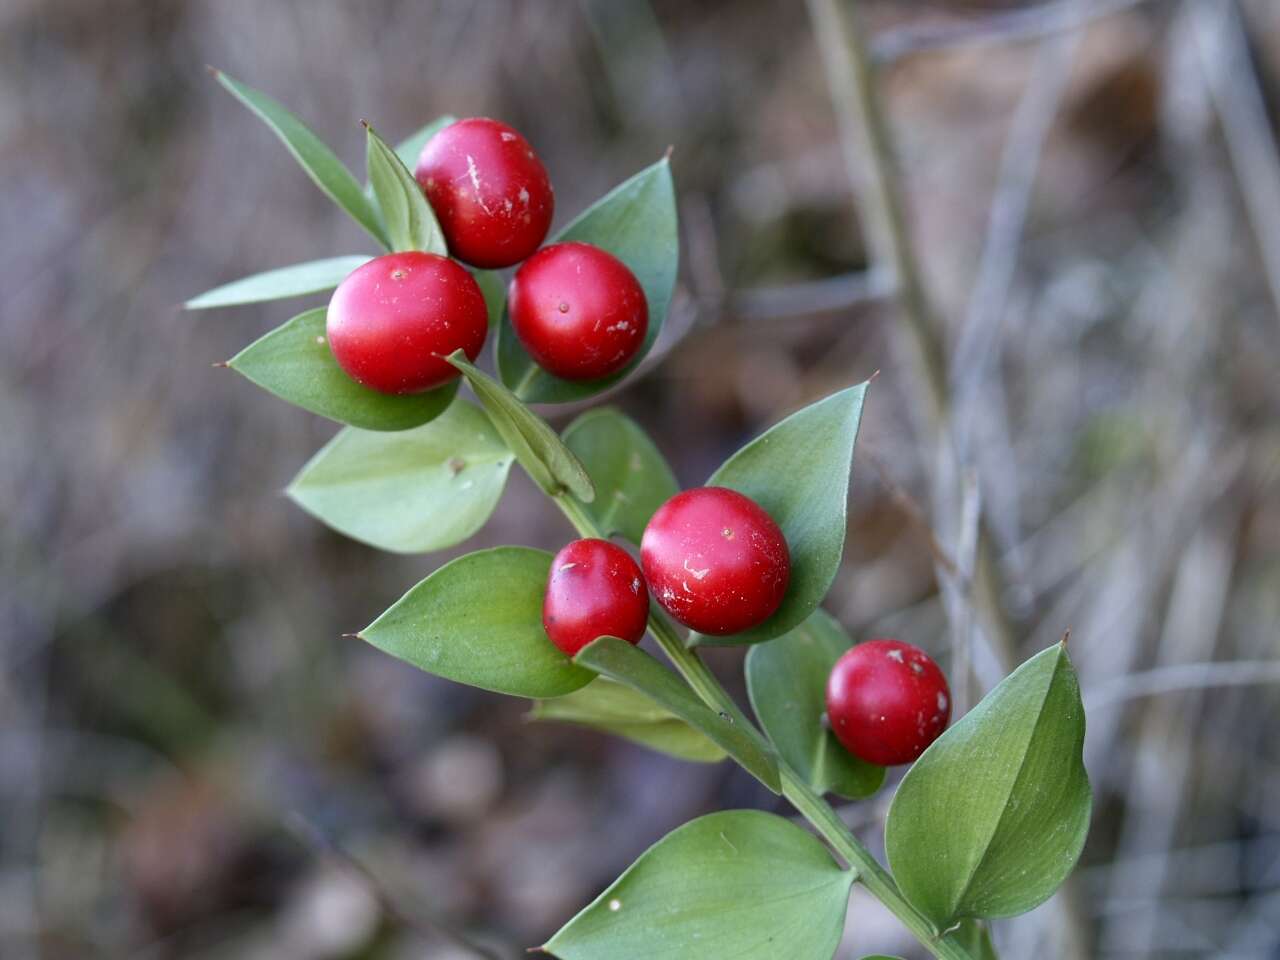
(719, 564)
(578, 310)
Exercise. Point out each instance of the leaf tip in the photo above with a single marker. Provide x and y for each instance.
(666, 157)
(221, 364)
(352, 636)
(368, 127)
(871, 379)
(213, 71)
(1066, 638)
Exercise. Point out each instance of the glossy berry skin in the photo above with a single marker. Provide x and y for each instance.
(715, 560)
(392, 321)
(489, 191)
(578, 310)
(887, 701)
(594, 590)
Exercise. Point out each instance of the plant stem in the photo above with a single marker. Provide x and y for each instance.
(807, 802)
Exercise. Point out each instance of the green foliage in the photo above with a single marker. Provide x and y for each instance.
(410, 491)
(478, 620)
(544, 456)
(610, 706)
(993, 816)
(321, 165)
(411, 223)
(494, 292)
(799, 472)
(620, 661)
(741, 884)
(787, 683)
(636, 222)
(315, 276)
(294, 362)
(631, 476)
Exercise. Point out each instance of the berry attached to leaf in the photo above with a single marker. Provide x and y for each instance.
(887, 701)
(594, 590)
(489, 191)
(715, 560)
(392, 321)
(578, 310)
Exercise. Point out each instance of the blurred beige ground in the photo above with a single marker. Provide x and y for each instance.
(190, 754)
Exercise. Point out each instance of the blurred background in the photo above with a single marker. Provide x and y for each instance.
(194, 764)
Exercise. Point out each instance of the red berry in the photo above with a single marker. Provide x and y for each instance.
(392, 321)
(578, 310)
(594, 590)
(715, 560)
(887, 701)
(489, 191)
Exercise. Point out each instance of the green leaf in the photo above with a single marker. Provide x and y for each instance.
(411, 491)
(494, 292)
(409, 148)
(799, 472)
(630, 475)
(321, 165)
(610, 706)
(294, 362)
(478, 620)
(619, 660)
(742, 884)
(787, 683)
(411, 223)
(548, 461)
(316, 276)
(636, 222)
(975, 938)
(992, 817)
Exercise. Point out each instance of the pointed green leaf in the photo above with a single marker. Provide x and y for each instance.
(741, 884)
(410, 491)
(636, 222)
(294, 362)
(610, 706)
(410, 147)
(411, 223)
(991, 819)
(478, 620)
(630, 475)
(494, 292)
(321, 165)
(316, 276)
(544, 456)
(787, 683)
(799, 472)
(619, 660)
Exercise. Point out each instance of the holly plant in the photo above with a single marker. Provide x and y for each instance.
(992, 814)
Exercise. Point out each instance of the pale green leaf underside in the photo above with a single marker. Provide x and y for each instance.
(992, 818)
(315, 276)
(540, 451)
(610, 706)
(320, 163)
(478, 620)
(799, 472)
(630, 475)
(410, 491)
(637, 223)
(740, 884)
(294, 362)
(787, 683)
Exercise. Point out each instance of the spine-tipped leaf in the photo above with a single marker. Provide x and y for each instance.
(315, 276)
(411, 223)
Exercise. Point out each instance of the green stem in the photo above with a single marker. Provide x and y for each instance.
(807, 802)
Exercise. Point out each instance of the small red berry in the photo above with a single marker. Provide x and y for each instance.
(887, 701)
(392, 321)
(578, 310)
(489, 191)
(594, 590)
(715, 560)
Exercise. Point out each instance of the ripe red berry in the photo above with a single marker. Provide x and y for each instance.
(594, 590)
(578, 310)
(715, 560)
(392, 321)
(887, 701)
(489, 191)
